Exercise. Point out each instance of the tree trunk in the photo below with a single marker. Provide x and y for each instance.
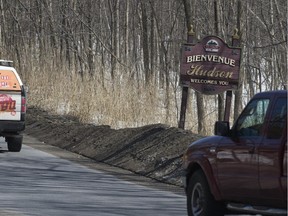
(238, 92)
(199, 97)
(152, 47)
(220, 96)
(90, 39)
(114, 12)
(145, 46)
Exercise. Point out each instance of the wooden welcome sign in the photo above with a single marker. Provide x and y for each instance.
(210, 66)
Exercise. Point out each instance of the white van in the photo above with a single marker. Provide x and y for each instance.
(12, 106)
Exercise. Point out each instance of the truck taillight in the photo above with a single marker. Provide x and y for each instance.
(23, 105)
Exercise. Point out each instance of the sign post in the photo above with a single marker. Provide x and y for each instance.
(235, 43)
(209, 67)
(181, 124)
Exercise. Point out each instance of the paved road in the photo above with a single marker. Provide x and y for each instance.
(44, 180)
(37, 183)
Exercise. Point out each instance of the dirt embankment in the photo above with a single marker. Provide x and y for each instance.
(154, 150)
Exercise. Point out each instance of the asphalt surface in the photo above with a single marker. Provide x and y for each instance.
(43, 180)
(34, 182)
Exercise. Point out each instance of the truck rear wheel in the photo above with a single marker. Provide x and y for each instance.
(200, 201)
(14, 143)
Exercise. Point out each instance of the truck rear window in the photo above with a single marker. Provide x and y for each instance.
(9, 81)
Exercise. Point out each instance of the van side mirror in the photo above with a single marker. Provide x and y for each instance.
(221, 128)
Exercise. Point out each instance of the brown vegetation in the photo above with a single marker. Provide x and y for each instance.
(118, 64)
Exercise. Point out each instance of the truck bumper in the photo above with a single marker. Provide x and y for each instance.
(11, 126)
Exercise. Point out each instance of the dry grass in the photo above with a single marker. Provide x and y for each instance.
(125, 102)
(121, 104)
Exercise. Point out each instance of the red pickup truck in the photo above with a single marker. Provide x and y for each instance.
(243, 168)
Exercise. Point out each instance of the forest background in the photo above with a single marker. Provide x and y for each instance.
(117, 62)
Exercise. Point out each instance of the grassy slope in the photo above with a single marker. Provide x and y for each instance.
(152, 150)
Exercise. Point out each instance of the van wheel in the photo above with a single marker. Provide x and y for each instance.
(14, 143)
(200, 201)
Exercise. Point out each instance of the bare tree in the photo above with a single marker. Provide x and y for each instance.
(140, 41)
(199, 97)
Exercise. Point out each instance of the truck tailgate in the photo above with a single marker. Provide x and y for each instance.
(10, 105)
